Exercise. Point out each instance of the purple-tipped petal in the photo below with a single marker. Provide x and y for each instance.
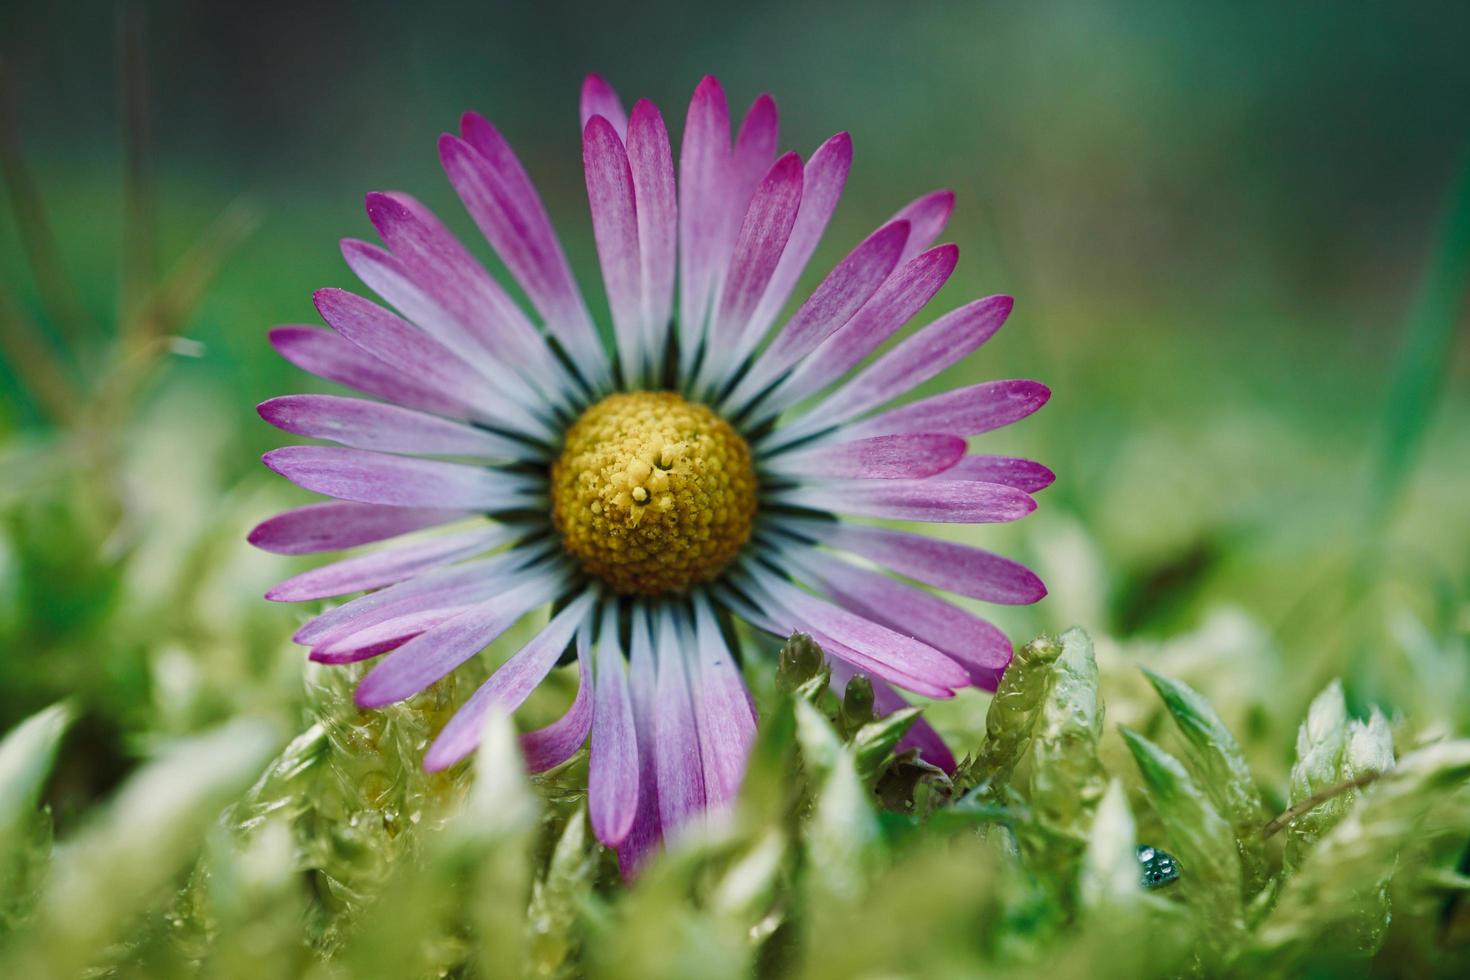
(964, 411)
(460, 287)
(509, 686)
(1023, 474)
(652, 165)
(874, 641)
(615, 229)
(386, 566)
(399, 481)
(548, 747)
(904, 293)
(978, 646)
(330, 355)
(758, 246)
(383, 620)
(722, 710)
(947, 565)
(911, 457)
(644, 835)
(822, 182)
(704, 194)
(599, 99)
(336, 524)
(432, 655)
(389, 276)
(406, 349)
(765, 613)
(919, 358)
(751, 156)
(463, 584)
(940, 501)
(755, 149)
(677, 757)
(778, 620)
(386, 428)
(504, 204)
(927, 215)
(612, 771)
(845, 290)
(378, 639)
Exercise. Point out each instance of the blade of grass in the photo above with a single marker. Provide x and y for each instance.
(26, 757)
(1419, 375)
(139, 257)
(57, 293)
(35, 364)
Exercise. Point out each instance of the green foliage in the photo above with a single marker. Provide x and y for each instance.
(1219, 768)
(1197, 834)
(1067, 779)
(344, 859)
(1012, 716)
(26, 757)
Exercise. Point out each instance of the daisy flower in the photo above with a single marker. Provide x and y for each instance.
(699, 461)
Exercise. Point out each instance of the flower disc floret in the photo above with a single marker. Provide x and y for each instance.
(653, 493)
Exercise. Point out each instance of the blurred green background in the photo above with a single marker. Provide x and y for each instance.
(1221, 222)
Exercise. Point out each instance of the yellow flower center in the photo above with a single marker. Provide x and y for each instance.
(652, 493)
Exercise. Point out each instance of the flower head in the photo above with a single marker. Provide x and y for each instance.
(702, 465)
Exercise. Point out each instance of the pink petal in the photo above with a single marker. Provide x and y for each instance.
(336, 524)
(1023, 474)
(652, 166)
(941, 501)
(460, 585)
(919, 358)
(388, 275)
(432, 655)
(399, 481)
(509, 686)
(546, 748)
(388, 565)
(390, 634)
(385, 428)
(504, 204)
(615, 228)
(877, 642)
(677, 754)
(459, 285)
(903, 294)
(643, 684)
(758, 247)
(912, 456)
(390, 626)
(704, 192)
(927, 216)
(780, 621)
(612, 773)
(947, 565)
(599, 99)
(411, 352)
(722, 710)
(332, 356)
(822, 183)
(755, 149)
(979, 647)
(964, 411)
(845, 290)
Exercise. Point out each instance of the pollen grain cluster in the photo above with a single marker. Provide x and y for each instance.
(653, 493)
